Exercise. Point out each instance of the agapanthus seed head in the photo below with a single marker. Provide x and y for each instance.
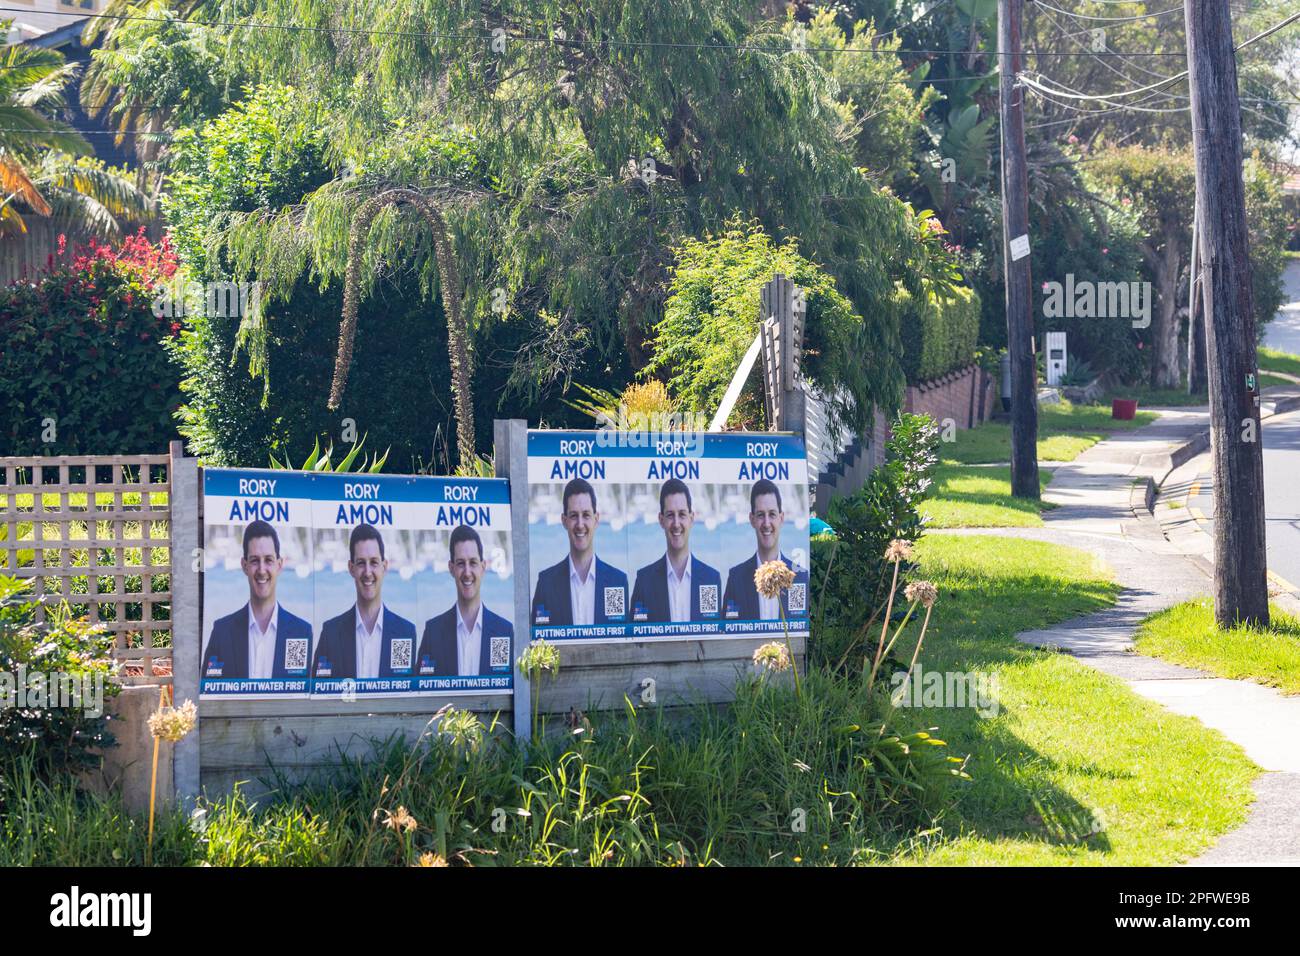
(898, 550)
(400, 820)
(173, 723)
(923, 591)
(773, 577)
(773, 656)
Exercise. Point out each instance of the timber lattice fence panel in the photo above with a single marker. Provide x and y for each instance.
(94, 531)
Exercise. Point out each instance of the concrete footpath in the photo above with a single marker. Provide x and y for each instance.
(1105, 499)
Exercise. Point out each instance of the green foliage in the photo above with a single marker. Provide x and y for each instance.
(712, 316)
(263, 154)
(849, 571)
(53, 741)
(1267, 224)
(230, 420)
(323, 461)
(82, 347)
(586, 170)
(939, 332)
(155, 66)
(882, 105)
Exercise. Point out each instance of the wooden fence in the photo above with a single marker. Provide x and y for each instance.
(94, 532)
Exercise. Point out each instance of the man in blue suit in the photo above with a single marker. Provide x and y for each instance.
(581, 589)
(467, 638)
(367, 640)
(679, 586)
(260, 641)
(742, 600)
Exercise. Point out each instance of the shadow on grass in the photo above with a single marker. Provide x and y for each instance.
(1012, 794)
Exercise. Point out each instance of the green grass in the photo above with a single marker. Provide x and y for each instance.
(975, 496)
(1157, 397)
(1065, 431)
(1275, 360)
(1267, 381)
(1073, 769)
(1072, 749)
(1186, 634)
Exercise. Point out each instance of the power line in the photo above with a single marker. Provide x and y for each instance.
(1096, 19)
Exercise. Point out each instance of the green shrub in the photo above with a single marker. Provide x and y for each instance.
(940, 334)
(849, 572)
(54, 740)
(82, 364)
(712, 316)
(1269, 228)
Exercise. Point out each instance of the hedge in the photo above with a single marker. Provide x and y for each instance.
(938, 335)
(82, 365)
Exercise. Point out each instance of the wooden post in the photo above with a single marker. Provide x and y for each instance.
(1015, 254)
(1240, 560)
(782, 318)
(187, 639)
(511, 459)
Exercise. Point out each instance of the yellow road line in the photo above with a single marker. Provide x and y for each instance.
(1283, 583)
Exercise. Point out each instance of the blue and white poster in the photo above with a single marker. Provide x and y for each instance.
(648, 536)
(399, 585)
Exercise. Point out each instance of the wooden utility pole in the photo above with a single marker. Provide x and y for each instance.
(1240, 560)
(1015, 256)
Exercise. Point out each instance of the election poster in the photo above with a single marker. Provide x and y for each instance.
(657, 536)
(407, 581)
(258, 587)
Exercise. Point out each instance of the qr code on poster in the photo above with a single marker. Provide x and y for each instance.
(798, 600)
(499, 652)
(399, 655)
(708, 599)
(295, 654)
(614, 602)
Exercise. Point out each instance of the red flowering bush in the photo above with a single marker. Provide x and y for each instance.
(82, 365)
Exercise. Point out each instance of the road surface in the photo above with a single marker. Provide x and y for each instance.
(1281, 453)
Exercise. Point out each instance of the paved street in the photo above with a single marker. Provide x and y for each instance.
(1284, 331)
(1281, 494)
(1281, 455)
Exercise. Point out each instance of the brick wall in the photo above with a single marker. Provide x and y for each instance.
(966, 396)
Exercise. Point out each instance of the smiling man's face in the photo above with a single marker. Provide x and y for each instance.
(466, 566)
(676, 518)
(580, 520)
(262, 566)
(766, 519)
(367, 567)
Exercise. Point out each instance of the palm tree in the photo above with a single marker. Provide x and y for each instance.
(45, 164)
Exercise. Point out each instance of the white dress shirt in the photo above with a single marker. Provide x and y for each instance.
(261, 645)
(469, 642)
(769, 608)
(582, 594)
(368, 644)
(679, 592)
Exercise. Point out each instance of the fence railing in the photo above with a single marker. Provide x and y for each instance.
(94, 531)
